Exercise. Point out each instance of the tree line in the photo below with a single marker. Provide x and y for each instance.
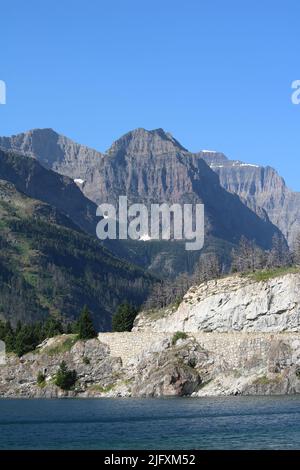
(25, 338)
(246, 257)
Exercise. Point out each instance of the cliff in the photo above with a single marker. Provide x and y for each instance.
(231, 336)
(262, 189)
(144, 364)
(233, 303)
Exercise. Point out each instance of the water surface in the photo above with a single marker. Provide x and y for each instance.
(169, 423)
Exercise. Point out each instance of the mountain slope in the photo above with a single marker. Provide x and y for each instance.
(262, 189)
(48, 266)
(30, 177)
(150, 167)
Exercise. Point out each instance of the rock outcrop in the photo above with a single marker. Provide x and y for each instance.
(230, 336)
(200, 364)
(233, 303)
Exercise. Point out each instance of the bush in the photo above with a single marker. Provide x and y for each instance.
(124, 317)
(178, 335)
(86, 360)
(86, 328)
(41, 378)
(65, 378)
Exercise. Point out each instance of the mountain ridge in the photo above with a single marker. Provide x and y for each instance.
(150, 167)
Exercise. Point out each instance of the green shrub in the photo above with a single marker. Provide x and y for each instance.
(65, 378)
(178, 335)
(41, 379)
(86, 360)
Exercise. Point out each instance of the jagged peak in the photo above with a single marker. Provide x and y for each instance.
(36, 132)
(143, 140)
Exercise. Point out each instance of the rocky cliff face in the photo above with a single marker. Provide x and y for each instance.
(199, 365)
(262, 189)
(54, 152)
(234, 303)
(148, 167)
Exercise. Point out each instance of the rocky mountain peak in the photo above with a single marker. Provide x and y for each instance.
(213, 158)
(143, 142)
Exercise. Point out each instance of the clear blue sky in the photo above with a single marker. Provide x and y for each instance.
(215, 73)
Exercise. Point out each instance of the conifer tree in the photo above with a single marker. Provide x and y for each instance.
(86, 328)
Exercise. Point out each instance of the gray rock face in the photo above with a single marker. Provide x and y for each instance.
(203, 364)
(262, 189)
(170, 372)
(90, 359)
(148, 167)
(234, 304)
(54, 151)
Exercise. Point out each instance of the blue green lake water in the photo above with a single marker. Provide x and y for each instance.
(169, 423)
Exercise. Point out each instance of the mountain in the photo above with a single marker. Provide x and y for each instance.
(49, 266)
(150, 167)
(262, 189)
(54, 151)
(30, 177)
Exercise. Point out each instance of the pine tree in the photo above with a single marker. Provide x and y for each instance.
(86, 328)
(10, 338)
(124, 317)
(26, 340)
(53, 327)
(65, 378)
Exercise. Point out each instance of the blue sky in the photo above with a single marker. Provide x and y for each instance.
(216, 74)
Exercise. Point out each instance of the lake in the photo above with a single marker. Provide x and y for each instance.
(167, 423)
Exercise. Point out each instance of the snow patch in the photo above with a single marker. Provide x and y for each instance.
(246, 164)
(145, 238)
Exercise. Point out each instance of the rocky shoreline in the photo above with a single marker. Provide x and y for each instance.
(220, 364)
(250, 345)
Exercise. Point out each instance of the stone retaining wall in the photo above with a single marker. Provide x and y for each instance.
(227, 347)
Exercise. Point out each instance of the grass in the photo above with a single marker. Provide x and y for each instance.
(273, 273)
(178, 335)
(264, 380)
(101, 389)
(62, 347)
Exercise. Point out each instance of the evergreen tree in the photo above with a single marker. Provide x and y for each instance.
(65, 378)
(124, 317)
(53, 327)
(25, 341)
(86, 328)
(9, 338)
